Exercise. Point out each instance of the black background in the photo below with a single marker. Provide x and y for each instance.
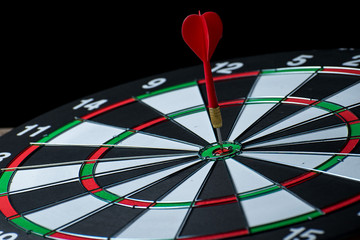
(54, 54)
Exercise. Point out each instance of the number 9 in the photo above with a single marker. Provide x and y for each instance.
(4, 155)
(154, 83)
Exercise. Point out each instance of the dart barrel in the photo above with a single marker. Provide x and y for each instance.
(215, 117)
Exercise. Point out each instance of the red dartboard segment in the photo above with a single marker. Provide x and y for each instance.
(90, 184)
(135, 203)
(350, 145)
(342, 204)
(348, 116)
(217, 201)
(341, 70)
(6, 207)
(98, 153)
(236, 233)
(66, 236)
(108, 108)
(301, 101)
(150, 123)
(232, 103)
(299, 179)
(355, 121)
(22, 156)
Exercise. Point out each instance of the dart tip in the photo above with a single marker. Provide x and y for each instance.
(219, 137)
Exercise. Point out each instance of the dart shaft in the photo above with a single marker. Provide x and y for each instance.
(214, 109)
(210, 87)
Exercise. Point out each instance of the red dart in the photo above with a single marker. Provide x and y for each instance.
(202, 34)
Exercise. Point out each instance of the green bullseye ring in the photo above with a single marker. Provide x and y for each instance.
(214, 152)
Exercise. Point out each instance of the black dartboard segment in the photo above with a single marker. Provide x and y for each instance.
(140, 161)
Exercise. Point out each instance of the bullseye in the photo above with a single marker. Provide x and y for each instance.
(216, 152)
(222, 151)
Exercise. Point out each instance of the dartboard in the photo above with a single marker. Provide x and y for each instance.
(141, 160)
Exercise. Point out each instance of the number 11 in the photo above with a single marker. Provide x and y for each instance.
(31, 127)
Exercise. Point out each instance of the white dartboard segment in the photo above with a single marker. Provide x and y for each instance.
(114, 165)
(181, 100)
(244, 178)
(346, 97)
(248, 116)
(274, 207)
(199, 123)
(87, 133)
(38, 177)
(349, 167)
(175, 100)
(299, 117)
(276, 85)
(337, 132)
(155, 224)
(63, 213)
(188, 189)
(279, 84)
(142, 140)
(132, 185)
